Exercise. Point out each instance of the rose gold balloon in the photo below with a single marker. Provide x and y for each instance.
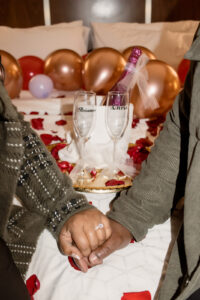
(126, 53)
(163, 83)
(64, 67)
(101, 69)
(13, 74)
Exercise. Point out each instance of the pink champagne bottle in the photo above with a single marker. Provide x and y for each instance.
(123, 84)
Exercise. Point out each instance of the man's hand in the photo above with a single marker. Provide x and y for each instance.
(119, 238)
(82, 233)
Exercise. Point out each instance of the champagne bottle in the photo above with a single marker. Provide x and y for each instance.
(124, 82)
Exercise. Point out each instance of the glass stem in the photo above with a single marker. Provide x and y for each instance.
(114, 151)
(82, 152)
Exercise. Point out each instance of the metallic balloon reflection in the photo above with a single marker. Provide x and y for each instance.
(102, 69)
(13, 74)
(126, 53)
(163, 83)
(64, 67)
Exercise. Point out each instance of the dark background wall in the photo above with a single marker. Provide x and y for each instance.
(175, 10)
(27, 13)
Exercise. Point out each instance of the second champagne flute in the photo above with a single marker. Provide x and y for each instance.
(117, 114)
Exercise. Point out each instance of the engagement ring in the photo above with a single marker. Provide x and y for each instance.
(99, 226)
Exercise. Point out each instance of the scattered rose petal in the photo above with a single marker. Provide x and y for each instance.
(53, 131)
(72, 263)
(114, 182)
(144, 142)
(145, 295)
(34, 113)
(135, 122)
(132, 241)
(22, 112)
(156, 122)
(69, 113)
(33, 285)
(153, 130)
(90, 202)
(37, 123)
(61, 122)
(138, 154)
(120, 173)
(93, 173)
(55, 150)
(46, 113)
(65, 166)
(48, 138)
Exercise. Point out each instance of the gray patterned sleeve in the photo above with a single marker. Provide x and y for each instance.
(43, 188)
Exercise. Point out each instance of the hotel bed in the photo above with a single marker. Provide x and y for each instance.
(83, 26)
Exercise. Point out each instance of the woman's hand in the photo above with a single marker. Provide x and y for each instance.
(82, 233)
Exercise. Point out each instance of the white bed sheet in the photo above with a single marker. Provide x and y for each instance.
(135, 268)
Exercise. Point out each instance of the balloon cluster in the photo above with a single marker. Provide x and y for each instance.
(98, 71)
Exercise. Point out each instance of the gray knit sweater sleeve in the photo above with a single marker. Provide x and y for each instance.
(43, 188)
(161, 182)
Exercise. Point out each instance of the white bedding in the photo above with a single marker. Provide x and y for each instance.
(135, 268)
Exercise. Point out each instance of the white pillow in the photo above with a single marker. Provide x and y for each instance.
(167, 40)
(42, 40)
(86, 30)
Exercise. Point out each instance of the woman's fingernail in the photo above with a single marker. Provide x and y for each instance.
(93, 258)
(75, 256)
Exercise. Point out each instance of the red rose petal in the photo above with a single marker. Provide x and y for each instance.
(72, 263)
(145, 295)
(144, 142)
(114, 182)
(69, 113)
(153, 131)
(65, 166)
(37, 123)
(120, 173)
(135, 122)
(93, 173)
(156, 122)
(34, 113)
(138, 154)
(61, 122)
(55, 150)
(48, 138)
(32, 284)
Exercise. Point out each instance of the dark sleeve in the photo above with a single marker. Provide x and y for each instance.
(43, 188)
(161, 182)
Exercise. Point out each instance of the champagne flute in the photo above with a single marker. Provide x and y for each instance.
(117, 115)
(84, 112)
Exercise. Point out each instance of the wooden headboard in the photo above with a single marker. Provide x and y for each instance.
(28, 13)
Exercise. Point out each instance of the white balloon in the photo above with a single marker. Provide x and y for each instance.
(40, 86)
